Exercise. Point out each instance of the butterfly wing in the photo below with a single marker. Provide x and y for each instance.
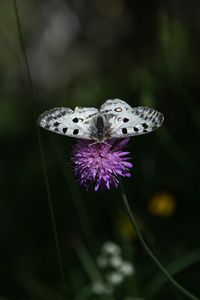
(127, 121)
(67, 122)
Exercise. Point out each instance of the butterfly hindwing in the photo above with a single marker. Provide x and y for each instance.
(68, 122)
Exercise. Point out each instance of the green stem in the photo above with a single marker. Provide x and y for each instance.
(150, 253)
(33, 102)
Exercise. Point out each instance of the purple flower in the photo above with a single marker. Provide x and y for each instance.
(101, 165)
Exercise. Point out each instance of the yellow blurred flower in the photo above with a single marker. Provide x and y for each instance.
(162, 204)
(125, 228)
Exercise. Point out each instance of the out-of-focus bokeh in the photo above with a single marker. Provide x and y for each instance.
(82, 53)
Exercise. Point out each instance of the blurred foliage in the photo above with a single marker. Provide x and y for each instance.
(81, 53)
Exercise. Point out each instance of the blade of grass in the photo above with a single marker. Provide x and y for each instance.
(9, 46)
(75, 195)
(38, 288)
(87, 262)
(150, 253)
(90, 266)
(34, 108)
(85, 293)
(175, 267)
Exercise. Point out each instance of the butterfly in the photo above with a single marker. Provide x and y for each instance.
(114, 119)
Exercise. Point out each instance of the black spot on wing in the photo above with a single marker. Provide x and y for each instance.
(106, 111)
(160, 118)
(125, 120)
(63, 113)
(154, 128)
(76, 131)
(75, 120)
(137, 112)
(56, 124)
(145, 125)
(64, 129)
(135, 129)
(49, 119)
(124, 130)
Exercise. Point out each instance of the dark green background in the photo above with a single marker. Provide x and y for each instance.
(81, 53)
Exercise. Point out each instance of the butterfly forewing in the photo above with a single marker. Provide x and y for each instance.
(127, 121)
(137, 121)
(68, 122)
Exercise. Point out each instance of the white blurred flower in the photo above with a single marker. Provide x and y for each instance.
(115, 278)
(114, 270)
(111, 248)
(127, 269)
(116, 261)
(100, 288)
(102, 261)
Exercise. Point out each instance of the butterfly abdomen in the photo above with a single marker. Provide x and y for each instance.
(100, 126)
(100, 122)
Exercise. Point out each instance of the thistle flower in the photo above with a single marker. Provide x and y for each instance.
(101, 164)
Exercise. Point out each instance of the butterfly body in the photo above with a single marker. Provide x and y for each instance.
(100, 128)
(115, 119)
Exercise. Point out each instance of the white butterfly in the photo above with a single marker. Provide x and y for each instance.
(115, 119)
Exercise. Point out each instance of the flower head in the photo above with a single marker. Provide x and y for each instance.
(114, 269)
(101, 164)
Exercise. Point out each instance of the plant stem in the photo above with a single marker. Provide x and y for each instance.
(33, 102)
(150, 253)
